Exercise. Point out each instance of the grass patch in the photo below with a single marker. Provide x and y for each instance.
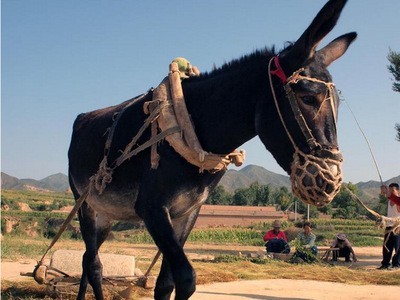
(15, 248)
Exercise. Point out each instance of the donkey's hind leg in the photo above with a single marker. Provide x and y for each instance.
(94, 232)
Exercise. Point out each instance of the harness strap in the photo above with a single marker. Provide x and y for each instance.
(296, 77)
(311, 141)
(111, 130)
(127, 153)
(154, 140)
(104, 173)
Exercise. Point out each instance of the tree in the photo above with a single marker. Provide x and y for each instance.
(346, 207)
(255, 195)
(261, 193)
(282, 197)
(243, 197)
(303, 208)
(219, 196)
(394, 68)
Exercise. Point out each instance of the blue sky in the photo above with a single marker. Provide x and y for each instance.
(61, 58)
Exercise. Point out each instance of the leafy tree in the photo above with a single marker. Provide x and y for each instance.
(282, 198)
(394, 68)
(261, 194)
(255, 194)
(219, 196)
(303, 208)
(348, 212)
(344, 203)
(327, 209)
(243, 197)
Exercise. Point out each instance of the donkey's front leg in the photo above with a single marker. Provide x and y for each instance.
(165, 282)
(159, 225)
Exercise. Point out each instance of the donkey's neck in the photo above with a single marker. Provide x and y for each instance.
(222, 104)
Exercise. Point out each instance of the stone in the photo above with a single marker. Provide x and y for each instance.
(70, 262)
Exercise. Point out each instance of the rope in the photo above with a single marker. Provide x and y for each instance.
(357, 199)
(380, 220)
(277, 106)
(68, 220)
(366, 140)
(40, 270)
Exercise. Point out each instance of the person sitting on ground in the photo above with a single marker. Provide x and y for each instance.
(345, 248)
(307, 251)
(276, 239)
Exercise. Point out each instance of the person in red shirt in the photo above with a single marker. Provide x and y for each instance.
(391, 240)
(276, 241)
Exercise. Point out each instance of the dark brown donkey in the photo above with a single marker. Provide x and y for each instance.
(294, 116)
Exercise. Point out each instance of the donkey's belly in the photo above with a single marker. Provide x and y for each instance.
(187, 201)
(115, 206)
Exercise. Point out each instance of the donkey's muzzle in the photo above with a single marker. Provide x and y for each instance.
(316, 179)
(324, 153)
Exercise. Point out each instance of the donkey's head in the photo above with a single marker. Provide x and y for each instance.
(306, 107)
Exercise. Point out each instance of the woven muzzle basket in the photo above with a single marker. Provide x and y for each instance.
(315, 180)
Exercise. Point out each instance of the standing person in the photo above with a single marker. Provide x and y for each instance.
(276, 241)
(391, 241)
(308, 250)
(345, 248)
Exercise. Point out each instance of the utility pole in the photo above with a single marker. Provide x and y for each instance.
(308, 212)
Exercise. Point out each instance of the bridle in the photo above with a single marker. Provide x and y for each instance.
(293, 79)
(315, 177)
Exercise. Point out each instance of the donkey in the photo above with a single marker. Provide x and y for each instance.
(228, 106)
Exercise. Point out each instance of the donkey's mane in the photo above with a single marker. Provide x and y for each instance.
(248, 61)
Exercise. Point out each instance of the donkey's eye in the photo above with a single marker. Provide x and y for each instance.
(309, 100)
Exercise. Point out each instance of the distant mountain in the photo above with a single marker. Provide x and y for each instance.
(231, 181)
(56, 183)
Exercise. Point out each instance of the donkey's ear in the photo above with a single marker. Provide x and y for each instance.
(336, 48)
(305, 46)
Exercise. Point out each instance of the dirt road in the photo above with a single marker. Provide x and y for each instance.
(275, 289)
(272, 289)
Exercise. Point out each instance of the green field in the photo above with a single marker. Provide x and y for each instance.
(42, 223)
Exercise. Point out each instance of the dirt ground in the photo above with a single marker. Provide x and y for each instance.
(273, 289)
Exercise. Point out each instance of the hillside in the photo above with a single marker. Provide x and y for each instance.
(53, 183)
(233, 179)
